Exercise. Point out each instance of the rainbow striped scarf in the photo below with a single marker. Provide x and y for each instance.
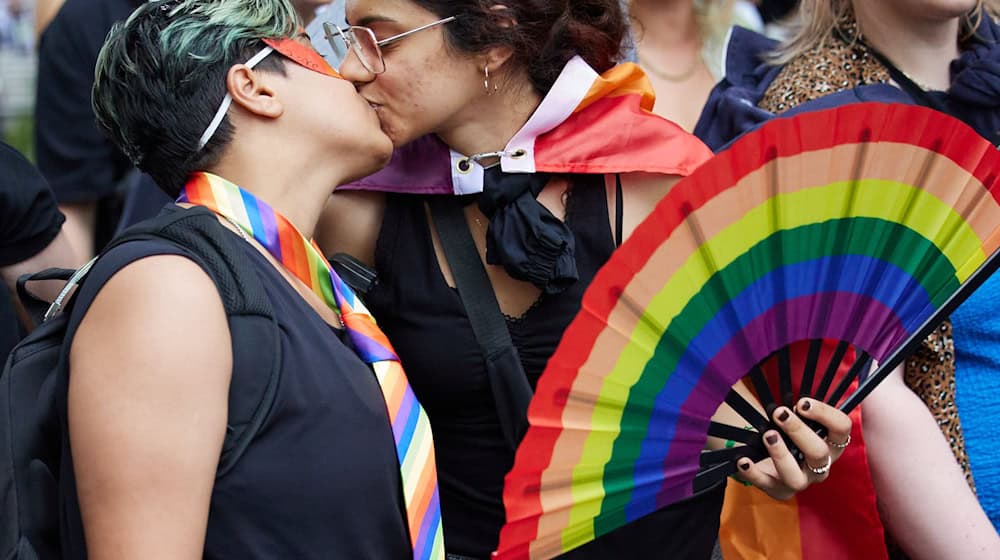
(410, 426)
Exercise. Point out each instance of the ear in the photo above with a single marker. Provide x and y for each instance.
(498, 56)
(251, 91)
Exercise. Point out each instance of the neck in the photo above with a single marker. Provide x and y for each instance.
(664, 23)
(292, 184)
(488, 125)
(922, 47)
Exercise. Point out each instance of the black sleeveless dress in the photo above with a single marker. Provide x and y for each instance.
(320, 479)
(426, 322)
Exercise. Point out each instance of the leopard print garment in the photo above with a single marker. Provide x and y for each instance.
(844, 63)
(837, 66)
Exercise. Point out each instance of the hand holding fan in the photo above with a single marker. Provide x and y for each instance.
(864, 225)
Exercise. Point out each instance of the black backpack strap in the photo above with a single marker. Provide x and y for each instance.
(252, 324)
(619, 211)
(508, 381)
(35, 306)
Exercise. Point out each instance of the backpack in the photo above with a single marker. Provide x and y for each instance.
(31, 425)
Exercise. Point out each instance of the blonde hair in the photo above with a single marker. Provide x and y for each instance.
(714, 17)
(812, 25)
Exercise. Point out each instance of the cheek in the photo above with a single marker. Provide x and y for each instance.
(407, 106)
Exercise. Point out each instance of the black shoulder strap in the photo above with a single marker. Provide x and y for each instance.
(33, 305)
(916, 93)
(907, 84)
(470, 276)
(619, 211)
(511, 389)
(359, 276)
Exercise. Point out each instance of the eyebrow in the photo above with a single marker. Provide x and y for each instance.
(368, 20)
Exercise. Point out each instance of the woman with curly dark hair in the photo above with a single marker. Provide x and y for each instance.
(551, 156)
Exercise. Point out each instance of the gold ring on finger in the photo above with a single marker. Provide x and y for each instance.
(820, 471)
(840, 445)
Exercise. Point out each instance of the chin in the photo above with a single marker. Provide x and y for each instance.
(386, 154)
(379, 157)
(399, 137)
(944, 9)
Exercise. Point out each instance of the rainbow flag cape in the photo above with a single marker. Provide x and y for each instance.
(587, 123)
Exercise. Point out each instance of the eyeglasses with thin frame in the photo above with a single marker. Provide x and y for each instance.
(362, 41)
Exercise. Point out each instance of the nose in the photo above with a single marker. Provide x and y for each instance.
(355, 72)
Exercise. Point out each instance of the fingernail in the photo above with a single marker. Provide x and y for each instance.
(783, 415)
(805, 404)
(771, 439)
(745, 466)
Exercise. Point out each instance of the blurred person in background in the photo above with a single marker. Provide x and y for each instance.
(774, 12)
(12, 13)
(88, 175)
(680, 44)
(45, 10)
(30, 237)
(332, 13)
(307, 9)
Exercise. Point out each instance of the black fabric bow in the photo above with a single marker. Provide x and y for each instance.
(523, 236)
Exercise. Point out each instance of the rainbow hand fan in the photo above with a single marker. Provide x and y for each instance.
(862, 225)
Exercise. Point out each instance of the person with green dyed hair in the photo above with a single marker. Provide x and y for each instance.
(227, 106)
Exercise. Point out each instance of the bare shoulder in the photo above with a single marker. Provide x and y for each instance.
(160, 293)
(351, 223)
(144, 316)
(150, 367)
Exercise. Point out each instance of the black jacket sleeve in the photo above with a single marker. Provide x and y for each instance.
(29, 218)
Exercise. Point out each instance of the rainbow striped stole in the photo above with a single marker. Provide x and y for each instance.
(410, 426)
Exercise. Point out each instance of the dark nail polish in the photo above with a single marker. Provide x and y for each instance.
(745, 466)
(772, 439)
(783, 415)
(805, 405)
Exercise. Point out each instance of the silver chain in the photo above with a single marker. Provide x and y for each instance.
(239, 229)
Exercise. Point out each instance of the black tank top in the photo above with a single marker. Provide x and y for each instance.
(321, 478)
(426, 322)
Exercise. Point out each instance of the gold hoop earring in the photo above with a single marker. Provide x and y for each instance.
(486, 81)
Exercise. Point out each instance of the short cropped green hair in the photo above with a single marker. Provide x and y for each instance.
(161, 76)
